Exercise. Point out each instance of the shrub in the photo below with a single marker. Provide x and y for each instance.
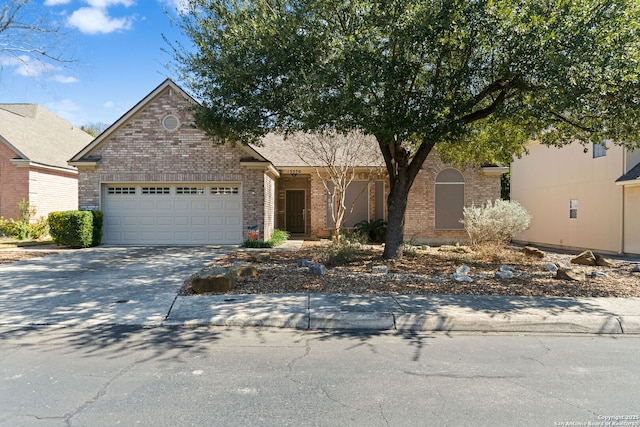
(337, 253)
(25, 228)
(375, 230)
(495, 222)
(76, 229)
(277, 238)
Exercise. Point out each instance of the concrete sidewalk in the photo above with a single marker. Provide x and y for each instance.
(411, 313)
(139, 285)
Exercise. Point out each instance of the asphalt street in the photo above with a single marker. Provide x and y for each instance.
(207, 376)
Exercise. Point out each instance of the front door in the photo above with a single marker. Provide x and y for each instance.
(295, 211)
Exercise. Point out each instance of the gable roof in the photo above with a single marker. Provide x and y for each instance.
(83, 156)
(633, 176)
(37, 135)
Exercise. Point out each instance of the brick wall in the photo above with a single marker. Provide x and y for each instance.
(141, 150)
(14, 184)
(420, 214)
(52, 191)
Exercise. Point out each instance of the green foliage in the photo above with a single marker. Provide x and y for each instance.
(417, 71)
(473, 80)
(337, 253)
(495, 222)
(98, 219)
(375, 230)
(255, 243)
(277, 238)
(27, 227)
(76, 229)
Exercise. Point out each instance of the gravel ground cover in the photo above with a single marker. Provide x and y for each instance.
(428, 270)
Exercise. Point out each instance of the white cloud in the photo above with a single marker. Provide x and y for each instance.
(103, 4)
(109, 104)
(26, 66)
(68, 110)
(91, 20)
(56, 2)
(64, 79)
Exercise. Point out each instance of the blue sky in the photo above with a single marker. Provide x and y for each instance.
(116, 47)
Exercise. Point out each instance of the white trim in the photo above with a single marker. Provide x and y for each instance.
(629, 183)
(494, 170)
(22, 163)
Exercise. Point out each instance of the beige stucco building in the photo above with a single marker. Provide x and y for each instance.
(580, 198)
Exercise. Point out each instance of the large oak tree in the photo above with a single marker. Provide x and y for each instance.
(472, 79)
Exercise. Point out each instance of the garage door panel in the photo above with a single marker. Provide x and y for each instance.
(198, 220)
(231, 221)
(164, 220)
(234, 205)
(216, 220)
(141, 214)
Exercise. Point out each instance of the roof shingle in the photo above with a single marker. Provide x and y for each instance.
(36, 134)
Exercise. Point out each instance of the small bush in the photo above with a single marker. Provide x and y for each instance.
(252, 243)
(27, 227)
(278, 237)
(340, 253)
(495, 222)
(75, 228)
(374, 230)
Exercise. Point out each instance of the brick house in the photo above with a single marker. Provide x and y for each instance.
(160, 180)
(35, 145)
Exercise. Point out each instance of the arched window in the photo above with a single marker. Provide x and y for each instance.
(449, 200)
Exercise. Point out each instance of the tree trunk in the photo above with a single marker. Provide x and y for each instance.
(402, 170)
(396, 207)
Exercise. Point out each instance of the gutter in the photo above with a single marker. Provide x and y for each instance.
(23, 163)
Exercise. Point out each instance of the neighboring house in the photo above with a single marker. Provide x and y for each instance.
(578, 199)
(160, 180)
(35, 145)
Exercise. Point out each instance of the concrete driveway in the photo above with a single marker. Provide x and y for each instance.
(104, 285)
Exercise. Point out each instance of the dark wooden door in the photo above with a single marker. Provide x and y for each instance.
(295, 208)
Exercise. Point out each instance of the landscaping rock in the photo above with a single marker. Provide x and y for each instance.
(570, 274)
(462, 274)
(636, 269)
(505, 272)
(585, 258)
(379, 269)
(217, 279)
(550, 267)
(261, 257)
(463, 269)
(603, 262)
(304, 263)
(317, 269)
(243, 270)
(533, 252)
(598, 274)
(461, 278)
(589, 258)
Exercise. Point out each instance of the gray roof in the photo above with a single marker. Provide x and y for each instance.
(281, 152)
(632, 175)
(37, 135)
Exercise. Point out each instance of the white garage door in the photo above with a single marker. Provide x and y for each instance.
(169, 214)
